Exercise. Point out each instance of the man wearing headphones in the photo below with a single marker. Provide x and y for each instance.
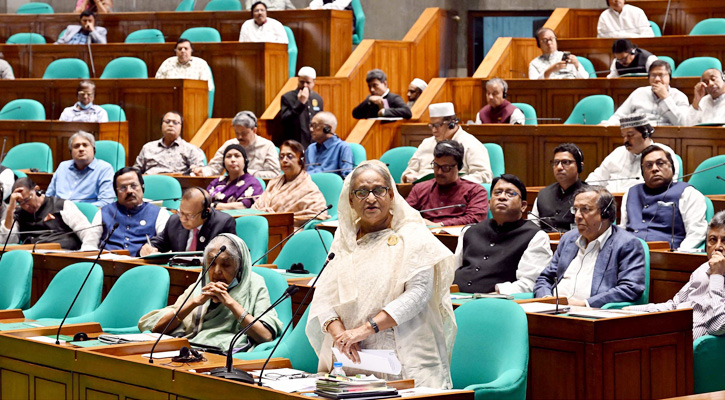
(137, 220)
(623, 21)
(662, 210)
(193, 225)
(499, 110)
(444, 125)
(597, 263)
(184, 66)
(629, 59)
(554, 64)
(170, 154)
(621, 170)
(708, 106)
(298, 107)
(327, 153)
(551, 207)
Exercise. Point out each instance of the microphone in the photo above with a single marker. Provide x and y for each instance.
(2, 152)
(103, 246)
(545, 223)
(615, 179)
(90, 57)
(5, 112)
(702, 170)
(228, 372)
(176, 314)
(8, 237)
(329, 206)
(720, 177)
(523, 74)
(60, 234)
(317, 228)
(338, 170)
(444, 207)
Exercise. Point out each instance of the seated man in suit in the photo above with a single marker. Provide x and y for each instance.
(662, 210)
(704, 291)
(504, 254)
(598, 263)
(708, 106)
(327, 153)
(192, 227)
(137, 220)
(381, 102)
(87, 30)
(171, 153)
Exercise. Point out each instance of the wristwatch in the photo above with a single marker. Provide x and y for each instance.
(372, 323)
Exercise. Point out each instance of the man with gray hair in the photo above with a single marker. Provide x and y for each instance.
(499, 110)
(381, 102)
(262, 156)
(84, 178)
(84, 110)
(328, 153)
(298, 107)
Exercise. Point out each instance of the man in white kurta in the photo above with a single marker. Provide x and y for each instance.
(708, 106)
(184, 66)
(552, 64)
(623, 21)
(262, 29)
(444, 125)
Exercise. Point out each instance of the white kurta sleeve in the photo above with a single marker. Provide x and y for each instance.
(536, 257)
(623, 210)
(535, 73)
(692, 208)
(517, 118)
(74, 218)
(7, 179)
(161, 220)
(415, 297)
(535, 212)
(613, 73)
(675, 107)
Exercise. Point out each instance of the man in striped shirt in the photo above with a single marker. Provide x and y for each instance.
(704, 292)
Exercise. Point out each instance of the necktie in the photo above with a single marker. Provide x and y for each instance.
(194, 240)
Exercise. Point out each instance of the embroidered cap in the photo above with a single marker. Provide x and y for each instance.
(441, 110)
(308, 72)
(633, 121)
(419, 83)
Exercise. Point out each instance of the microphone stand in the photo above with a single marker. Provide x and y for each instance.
(443, 208)
(8, 237)
(545, 223)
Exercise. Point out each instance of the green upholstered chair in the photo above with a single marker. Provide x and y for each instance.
(495, 155)
(261, 181)
(487, 186)
(254, 230)
(678, 159)
(710, 26)
(305, 247)
(695, 66)
(16, 277)
(331, 186)
(359, 154)
(644, 299)
(136, 292)
(26, 38)
(708, 355)
(706, 181)
(60, 35)
(591, 110)
(201, 34)
(29, 155)
(276, 286)
(125, 67)
(709, 209)
(588, 66)
(655, 29)
(67, 68)
(223, 5)
(88, 209)
(357, 10)
(111, 152)
(115, 112)
(211, 99)
(291, 52)
(145, 36)
(163, 187)
(669, 61)
(56, 299)
(36, 8)
(529, 113)
(397, 160)
(491, 351)
(23, 109)
(186, 5)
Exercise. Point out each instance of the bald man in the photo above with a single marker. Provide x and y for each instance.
(327, 153)
(707, 105)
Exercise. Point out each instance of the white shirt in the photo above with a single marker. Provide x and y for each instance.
(517, 118)
(540, 64)
(577, 280)
(271, 31)
(621, 164)
(630, 23)
(335, 5)
(669, 111)
(692, 207)
(535, 258)
(7, 179)
(613, 73)
(262, 156)
(271, 4)
(476, 164)
(710, 111)
(195, 68)
(160, 224)
(93, 113)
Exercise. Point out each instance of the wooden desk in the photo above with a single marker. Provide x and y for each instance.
(533, 191)
(43, 178)
(718, 201)
(670, 271)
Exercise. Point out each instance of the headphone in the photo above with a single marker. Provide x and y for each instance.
(326, 129)
(206, 212)
(648, 131)
(38, 192)
(580, 164)
(452, 123)
(188, 355)
(607, 213)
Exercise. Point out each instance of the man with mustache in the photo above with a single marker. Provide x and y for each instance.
(137, 220)
(708, 105)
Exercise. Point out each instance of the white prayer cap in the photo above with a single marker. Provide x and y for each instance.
(308, 72)
(633, 121)
(419, 83)
(441, 110)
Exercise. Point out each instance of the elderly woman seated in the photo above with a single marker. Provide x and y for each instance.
(237, 189)
(222, 304)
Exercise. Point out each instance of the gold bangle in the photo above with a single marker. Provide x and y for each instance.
(328, 322)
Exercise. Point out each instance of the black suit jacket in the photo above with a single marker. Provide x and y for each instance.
(174, 236)
(397, 108)
(296, 116)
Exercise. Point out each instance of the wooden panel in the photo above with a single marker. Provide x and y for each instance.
(23, 380)
(92, 388)
(566, 357)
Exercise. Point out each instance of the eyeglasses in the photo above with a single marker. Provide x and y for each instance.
(621, 59)
(564, 163)
(550, 39)
(289, 156)
(187, 216)
(659, 163)
(378, 192)
(436, 125)
(444, 168)
(25, 200)
(172, 122)
(85, 94)
(509, 193)
(316, 125)
(584, 210)
(125, 188)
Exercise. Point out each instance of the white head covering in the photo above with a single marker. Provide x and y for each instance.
(441, 110)
(308, 72)
(419, 83)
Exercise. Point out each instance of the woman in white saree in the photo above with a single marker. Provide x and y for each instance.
(388, 285)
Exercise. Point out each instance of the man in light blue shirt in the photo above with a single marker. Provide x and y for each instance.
(327, 153)
(84, 178)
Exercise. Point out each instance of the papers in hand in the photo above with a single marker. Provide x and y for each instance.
(383, 361)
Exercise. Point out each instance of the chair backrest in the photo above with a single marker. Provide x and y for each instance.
(492, 339)
(26, 38)
(679, 163)
(709, 210)
(88, 209)
(644, 299)
(145, 36)
(297, 347)
(359, 154)
(186, 5)
(529, 113)
(495, 155)
(695, 66)
(591, 110)
(60, 35)
(60, 292)
(115, 112)
(36, 8)
(276, 286)
(359, 14)
(669, 61)
(29, 155)
(708, 355)
(655, 28)
(23, 109)
(487, 186)
(706, 181)
(163, 187)
(261, 182)
(223, 5)
(305, 247)
(254, 230)
(588, 66)
(710, 26)
(16, 277)
(201, 34)
(125, 67)
(111, 152)
(330, 185)
(291, 51)
(67, 68)
(397, 159)
(211, 98)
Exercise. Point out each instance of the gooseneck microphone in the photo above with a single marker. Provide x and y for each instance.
(720, 177)
(11, 229)
(61, 234)
(90, 270)
(555, 229)
(636, 178)
(443, 208)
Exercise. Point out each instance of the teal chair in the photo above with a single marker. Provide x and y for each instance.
(591, 110)
(29, 155)
(708, 355)
(163, 187)
(67, 68)
(223, 5)
(644, 299)
(201, 34)
(491, 351)
(136, 292)
(145, 36)
(261, 182)
(709, 210)
(359, 154)
(111, 152)
(487, 186)
(678, 159)
(186, 5)
(254, 231)
(36, 8)
(23, 109)
(706, 182)
(495, 155)
(211, 95)
(359, 14)
(276, 286)
(529, 113)
(669, 61)
(65, 284)
(60, 35)
(655, 29)
(115, 112)
(291, 52)
(16, 277)
(695, 66)
(710, 26)
(19, 174)
(588, 66)
(88, 209)
(26, 38)
(397, 160)
(331, 186)
(125, 67)
(305, 247)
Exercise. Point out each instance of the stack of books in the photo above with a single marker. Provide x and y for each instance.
(358, 387)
